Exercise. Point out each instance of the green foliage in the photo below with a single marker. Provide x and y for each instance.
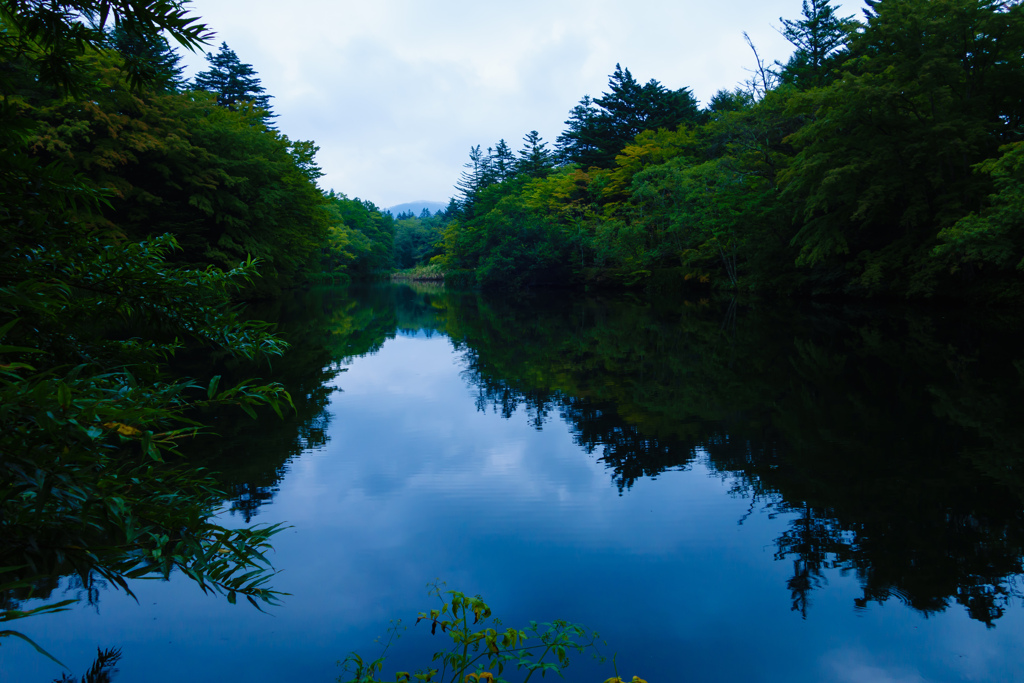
(535, 159)
(599, 128)
(52, 35)
(880, 161)
(994, 237)
(233, 82)
(417, 240)
(152, 57)
(433, 271)
(96, 153)
(360, 239)
(884, 162)
(820, 38)
(223, 183)
(91, 429)
(482, 649)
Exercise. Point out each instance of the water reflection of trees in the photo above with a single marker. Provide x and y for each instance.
(325, 327)
(888, 437)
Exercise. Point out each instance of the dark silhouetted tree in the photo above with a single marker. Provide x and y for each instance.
(150, 56)
(535, 159)
(820, 38)
(599, 129)
(234, 82)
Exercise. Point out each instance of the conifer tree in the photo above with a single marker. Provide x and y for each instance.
(535, 159)
(724, 100)
(473, 179)
(579, 142)
(820, 38)
(600, 128)
(503, 162)
(150, 56)
(234, 82)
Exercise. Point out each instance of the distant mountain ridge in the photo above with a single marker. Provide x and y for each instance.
(416, 207)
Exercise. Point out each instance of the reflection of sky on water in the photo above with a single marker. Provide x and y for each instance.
(415, 483)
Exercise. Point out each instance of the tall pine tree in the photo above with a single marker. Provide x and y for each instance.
(579, 142)
(150, 56)
(234, 82)
(476, 177)
(535, 159)
(600, 128)
(820, 39)
(503, 162)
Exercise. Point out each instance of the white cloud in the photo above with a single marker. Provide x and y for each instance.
(848, 665)
(395, 92)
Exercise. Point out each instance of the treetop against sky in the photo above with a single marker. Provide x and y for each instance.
(396, 93)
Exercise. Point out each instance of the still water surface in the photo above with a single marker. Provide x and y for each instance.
(724, 492)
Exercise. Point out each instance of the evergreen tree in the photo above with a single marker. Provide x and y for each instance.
(91, 318)
(234, 82)
(890, 159)
(535, 159)
(599, 129)
(729, 100)
(820, 39)
(472, 180)
(625, 104)
(503, 162)
(579, 142)
(150, 56)
(450, 212)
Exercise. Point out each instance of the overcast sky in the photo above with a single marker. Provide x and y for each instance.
(396, 92)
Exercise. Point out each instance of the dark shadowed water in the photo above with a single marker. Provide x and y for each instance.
(724, 491)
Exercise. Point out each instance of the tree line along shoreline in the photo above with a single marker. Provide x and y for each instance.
(882, 160)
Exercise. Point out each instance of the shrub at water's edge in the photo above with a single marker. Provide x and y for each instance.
(429, 272)
(481, 649)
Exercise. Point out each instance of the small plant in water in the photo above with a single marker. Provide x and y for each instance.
(481, 648)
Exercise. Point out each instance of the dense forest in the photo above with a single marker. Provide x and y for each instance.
(135, 209)
(883, 158)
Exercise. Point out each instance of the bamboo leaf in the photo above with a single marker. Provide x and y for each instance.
(40, 650)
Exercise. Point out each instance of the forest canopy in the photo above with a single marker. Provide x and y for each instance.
(883, 158)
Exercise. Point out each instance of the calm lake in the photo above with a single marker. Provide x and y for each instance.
(725, 491)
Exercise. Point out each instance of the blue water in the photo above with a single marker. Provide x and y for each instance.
(678, 573)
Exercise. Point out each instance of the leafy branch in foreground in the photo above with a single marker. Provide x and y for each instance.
(91, 477)
(84, 481)
(93, 481)
(481, 648)
(56, 32)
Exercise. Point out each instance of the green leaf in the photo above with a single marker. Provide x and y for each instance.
(18, 349)
(4, 634)
(63, 395)
(212, 391)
